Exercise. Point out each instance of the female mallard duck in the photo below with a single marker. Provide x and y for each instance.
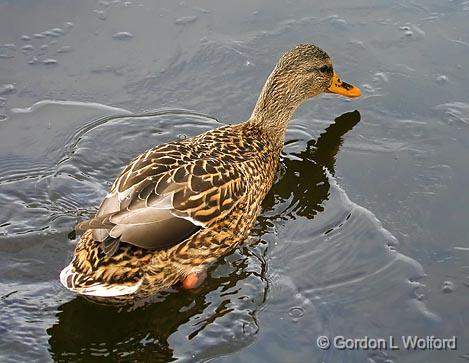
(178, 207)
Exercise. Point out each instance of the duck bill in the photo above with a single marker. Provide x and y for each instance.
(342, 88)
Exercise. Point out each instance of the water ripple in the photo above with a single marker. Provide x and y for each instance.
(313, 254)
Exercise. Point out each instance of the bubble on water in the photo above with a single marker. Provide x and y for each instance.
(69, 25)
(49, 61)
(54, 33)
(407, 31)
(415, 283)
(185, 20)
(7, 89)
(10, 46)
(58, 31)
(26, 38)
(122, 36)
(39, 36)
(413, 31)
(64, 49)
(420, 297)
(441, 79)
(447, 287)
(296, 313)
(50, 33)
(27, 48)
(34, 60)
(3, 117)
(44, 47)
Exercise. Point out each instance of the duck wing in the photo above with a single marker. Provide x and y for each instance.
(160, 200)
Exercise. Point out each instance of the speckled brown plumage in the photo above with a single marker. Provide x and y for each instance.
(178, 207)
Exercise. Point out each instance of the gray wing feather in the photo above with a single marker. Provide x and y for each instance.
(156, 205)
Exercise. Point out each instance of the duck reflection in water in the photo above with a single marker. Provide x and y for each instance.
(226, 304)
(304, 179)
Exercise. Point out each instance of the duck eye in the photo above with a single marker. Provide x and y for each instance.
(324, 69)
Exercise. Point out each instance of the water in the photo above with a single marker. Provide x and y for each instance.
(363, 234)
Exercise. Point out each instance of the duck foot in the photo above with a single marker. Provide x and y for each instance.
(194, 280)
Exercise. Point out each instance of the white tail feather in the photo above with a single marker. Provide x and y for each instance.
(96, 289)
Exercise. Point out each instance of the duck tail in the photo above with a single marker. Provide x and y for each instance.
(84, 285)
(92, 273)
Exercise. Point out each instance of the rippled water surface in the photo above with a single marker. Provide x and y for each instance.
(363, 234)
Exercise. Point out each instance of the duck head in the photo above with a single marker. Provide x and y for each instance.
(303, 72)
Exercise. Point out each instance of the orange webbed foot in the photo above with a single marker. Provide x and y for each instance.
(194, 280)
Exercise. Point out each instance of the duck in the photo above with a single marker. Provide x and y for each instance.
(180, 206)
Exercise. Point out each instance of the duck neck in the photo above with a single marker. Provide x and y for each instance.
(274, 109)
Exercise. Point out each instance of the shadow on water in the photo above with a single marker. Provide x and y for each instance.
(85, 329)
(304, 174)
(223, 312)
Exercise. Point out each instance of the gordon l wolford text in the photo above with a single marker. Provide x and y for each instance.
(409, 342)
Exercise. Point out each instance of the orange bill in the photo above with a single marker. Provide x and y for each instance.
(342, 88)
